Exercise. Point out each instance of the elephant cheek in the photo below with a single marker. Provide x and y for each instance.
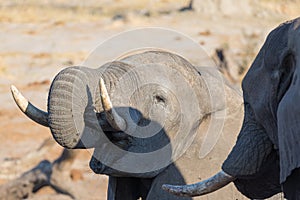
(288, 116)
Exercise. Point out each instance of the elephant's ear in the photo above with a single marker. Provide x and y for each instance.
(288, 111)
(226, 104)
(289, 126)
(289, 129)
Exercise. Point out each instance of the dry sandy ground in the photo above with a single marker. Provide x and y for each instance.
(39, 38)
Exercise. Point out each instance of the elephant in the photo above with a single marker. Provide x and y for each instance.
(265, 159)
(145, 115)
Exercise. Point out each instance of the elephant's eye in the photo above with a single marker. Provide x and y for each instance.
(159, 99)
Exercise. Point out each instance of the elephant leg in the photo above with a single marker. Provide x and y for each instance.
(291, 187)
(124, 188)
(170, 175)
(111, 190)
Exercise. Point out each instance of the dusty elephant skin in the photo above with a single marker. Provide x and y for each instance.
(266, 154)
(145, 115)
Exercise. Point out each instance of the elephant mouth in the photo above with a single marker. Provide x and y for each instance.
(100, 163)
(118, 138)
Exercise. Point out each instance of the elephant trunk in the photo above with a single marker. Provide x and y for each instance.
(74, 101)
(72, 117)
(71, 114)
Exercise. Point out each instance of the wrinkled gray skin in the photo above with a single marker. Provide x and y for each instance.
(267, 148)
(122, 185)
(75, 112)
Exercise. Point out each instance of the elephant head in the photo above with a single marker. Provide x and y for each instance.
(267, 148)
(137, 105)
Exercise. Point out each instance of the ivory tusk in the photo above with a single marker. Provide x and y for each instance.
(115, 120)
(209, 185)
(28, 109)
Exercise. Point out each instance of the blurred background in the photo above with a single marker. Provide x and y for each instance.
(38, 38)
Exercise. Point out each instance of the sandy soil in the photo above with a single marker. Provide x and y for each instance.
(39, 38)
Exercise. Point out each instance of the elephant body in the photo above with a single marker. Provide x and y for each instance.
(128, 186)
(152, 118)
